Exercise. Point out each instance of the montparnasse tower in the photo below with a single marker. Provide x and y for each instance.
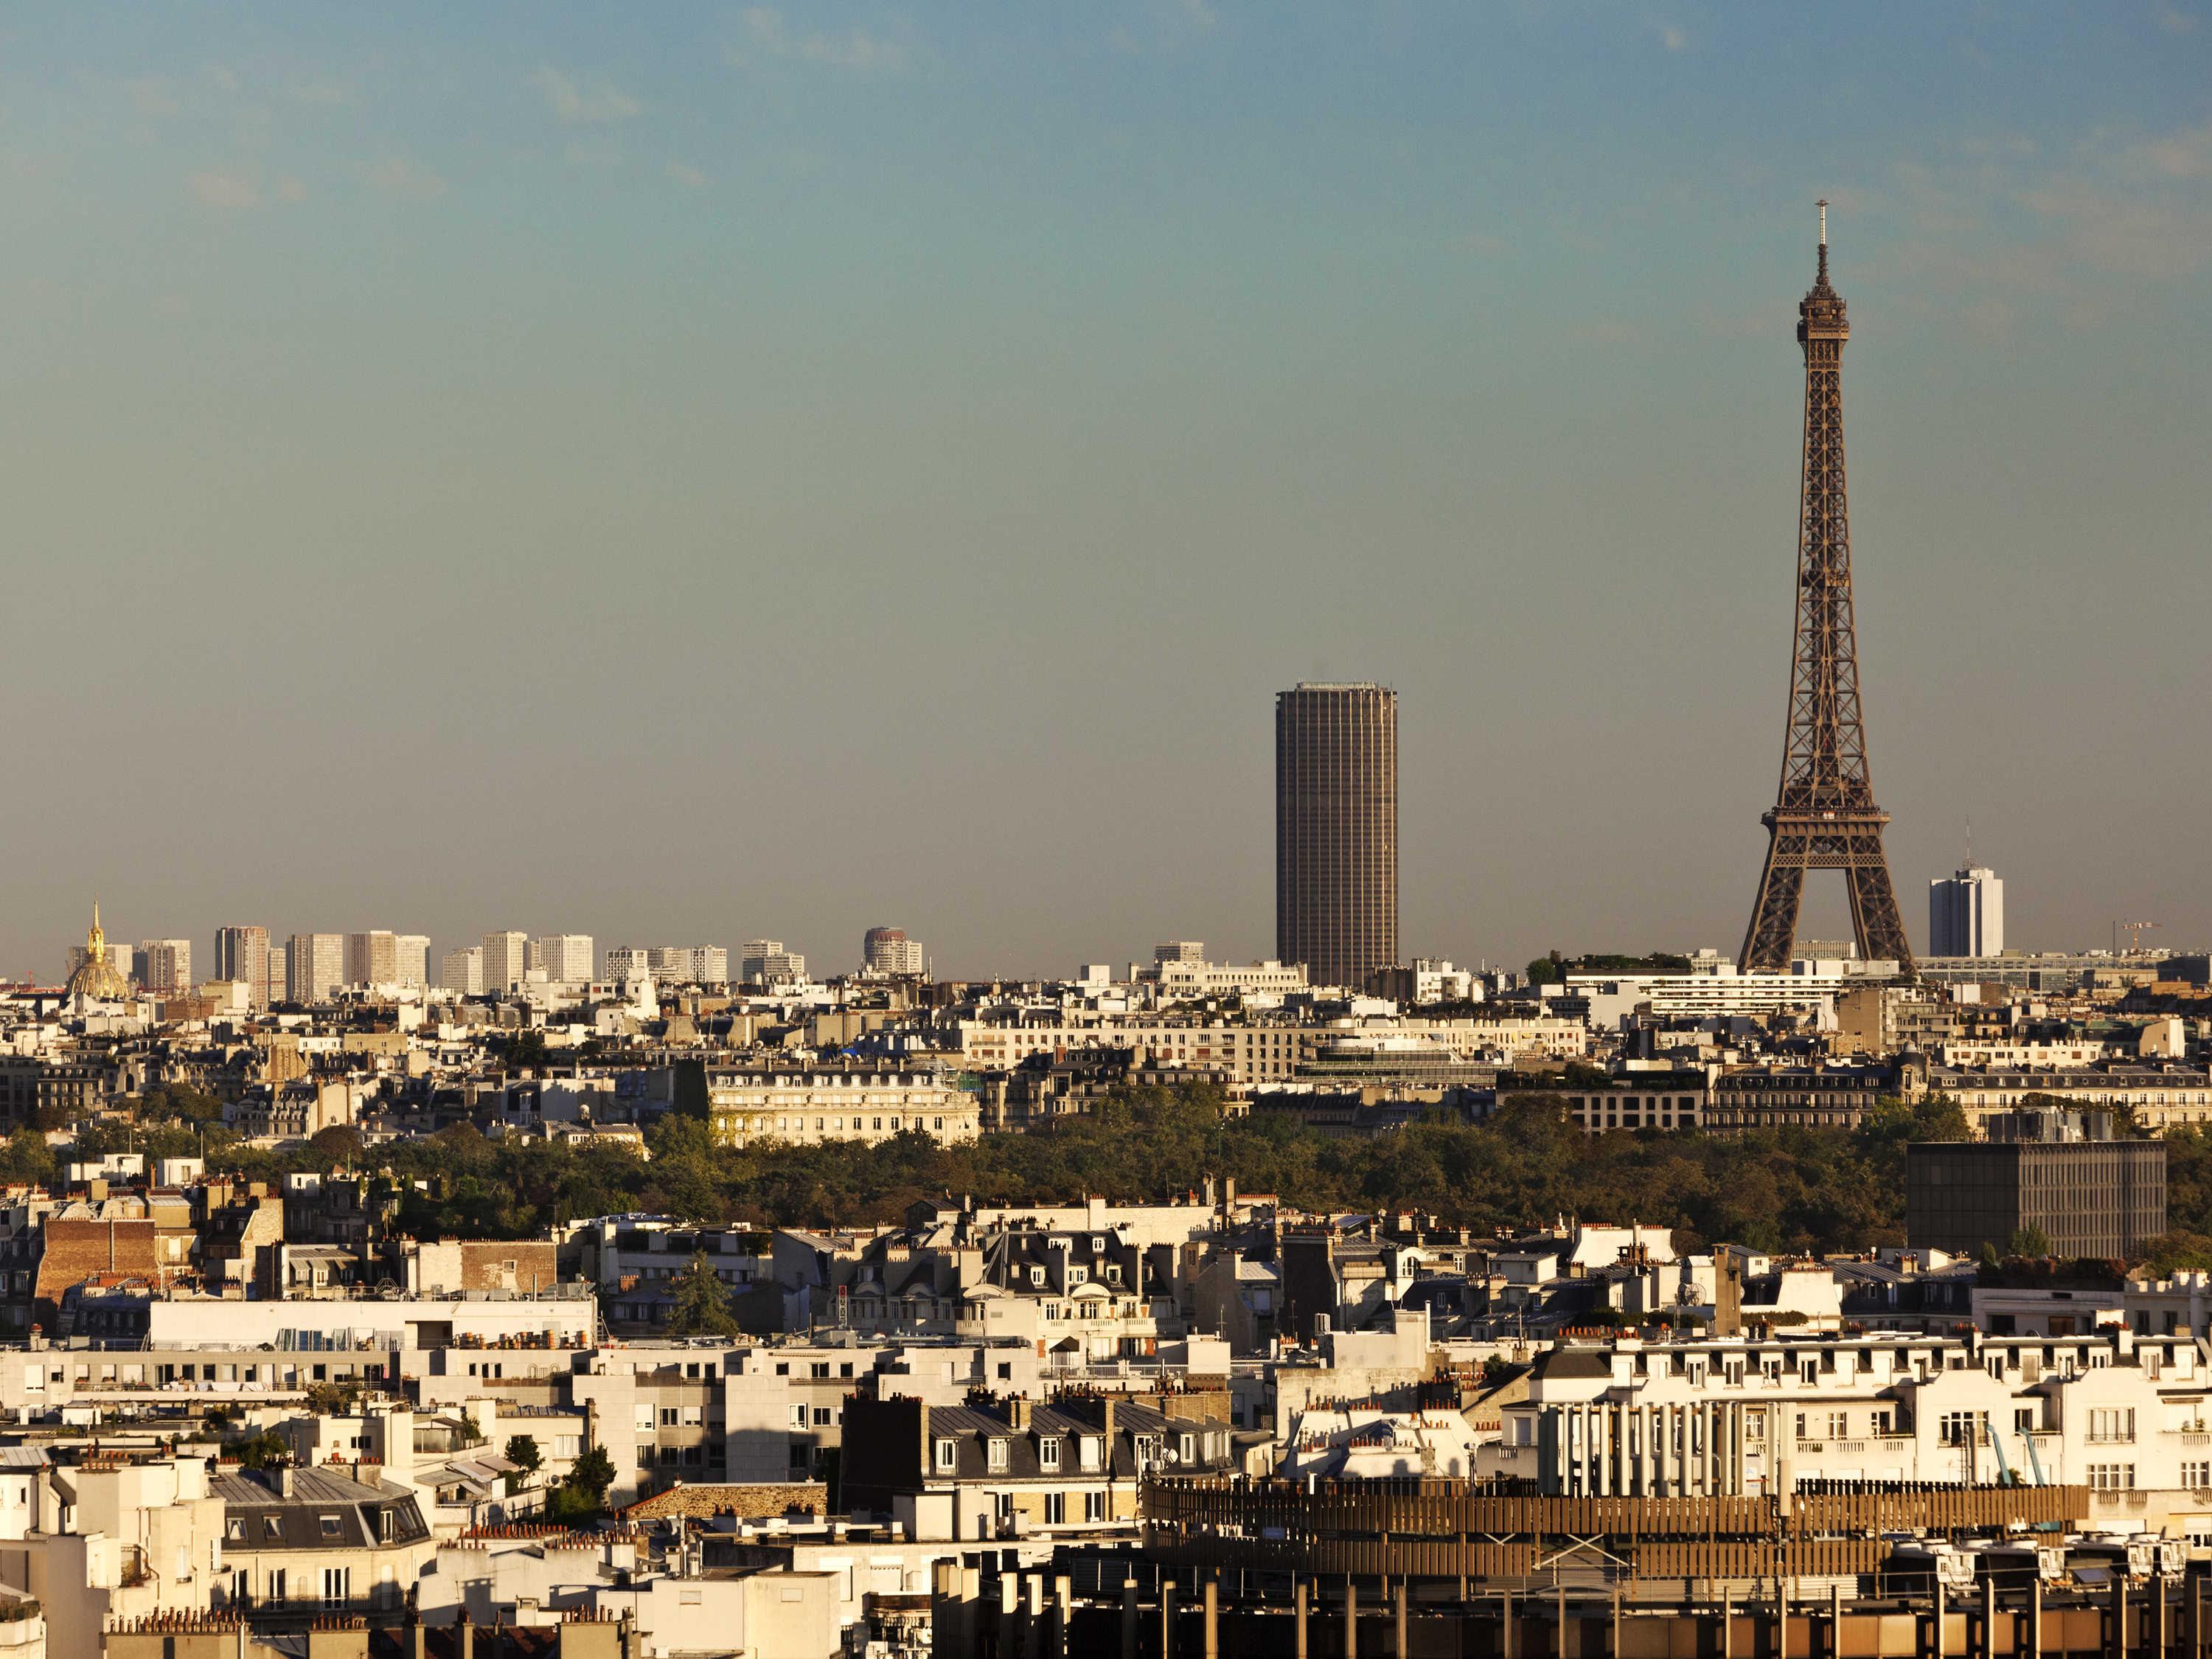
(96, 977)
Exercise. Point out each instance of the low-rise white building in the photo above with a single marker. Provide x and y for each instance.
(814, 1104)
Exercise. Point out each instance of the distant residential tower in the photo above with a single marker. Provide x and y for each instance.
(889, 951)
(1965, 914)
(241, 955)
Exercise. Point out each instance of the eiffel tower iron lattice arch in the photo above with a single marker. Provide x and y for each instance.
(1824, 817)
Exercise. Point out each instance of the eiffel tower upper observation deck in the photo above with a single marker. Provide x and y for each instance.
(1824, 817)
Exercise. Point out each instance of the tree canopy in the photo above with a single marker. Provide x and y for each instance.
(1817, 1189)
(700, 1306)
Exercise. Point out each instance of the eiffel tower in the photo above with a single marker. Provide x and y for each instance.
(1824, 817)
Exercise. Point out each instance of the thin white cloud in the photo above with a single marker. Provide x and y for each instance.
(288, 189)
(224, 190)
(687, 175)
(2108, 231)
(395, 175)
(592, 153)
(856, 50)
(2186, 155)
(1673, 39)
(2172, 18)
(572, 102)
(151, 95)
(327, 95)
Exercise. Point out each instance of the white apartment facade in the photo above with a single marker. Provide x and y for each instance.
(889, 951)
(2160, 1096)
(815, 1105)
(2121, 1414)
(372, 957)
(765, 962)
(668, 964)
(563, 958)
(1209, 979)
(1720, 991)
(1965, 914)
(1255, 1052)
(463, 971)
(689, 964)
(505, 961)
(314, 966)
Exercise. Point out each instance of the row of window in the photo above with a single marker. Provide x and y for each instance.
(1089, 1457)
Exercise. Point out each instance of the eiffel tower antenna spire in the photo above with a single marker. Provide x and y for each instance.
(1824, 815)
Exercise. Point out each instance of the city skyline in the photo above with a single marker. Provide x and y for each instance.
(479, 441)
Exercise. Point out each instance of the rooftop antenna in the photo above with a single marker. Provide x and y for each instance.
(1823, 277)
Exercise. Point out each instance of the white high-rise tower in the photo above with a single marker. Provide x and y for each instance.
(1965, 914)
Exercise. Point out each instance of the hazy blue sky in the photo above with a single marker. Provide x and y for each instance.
(685, 472)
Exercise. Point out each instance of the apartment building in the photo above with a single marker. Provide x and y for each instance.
(505, 961)
(888, 951)
(300, 1543)
(241, 956)
(103, 1539)
(814, 1104)
(163, 964)
(1260, 1051)
(463, 971)
(314, 967)
(563, 958)
(372, 957)
(2123, 1415)
(1640, 1100)
(55, 1089)
(1779, 1096)
(668, 964)
(634, 1260)
(765, 962)
(1184, 978)
(1004, 1468)
(2158, 1097)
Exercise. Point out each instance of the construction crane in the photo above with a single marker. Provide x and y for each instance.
(2135, 930)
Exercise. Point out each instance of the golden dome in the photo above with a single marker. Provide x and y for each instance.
(96, 976)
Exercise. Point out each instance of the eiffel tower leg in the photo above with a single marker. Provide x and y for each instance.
(1874, 918)
(1773, 930)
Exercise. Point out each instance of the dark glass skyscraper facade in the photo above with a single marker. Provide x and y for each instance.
(1336, 830)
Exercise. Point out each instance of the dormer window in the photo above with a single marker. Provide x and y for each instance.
(1049, 1452)
(1036, 1274)
(995, 1456)
(948, 1457)
(1091, 1454)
